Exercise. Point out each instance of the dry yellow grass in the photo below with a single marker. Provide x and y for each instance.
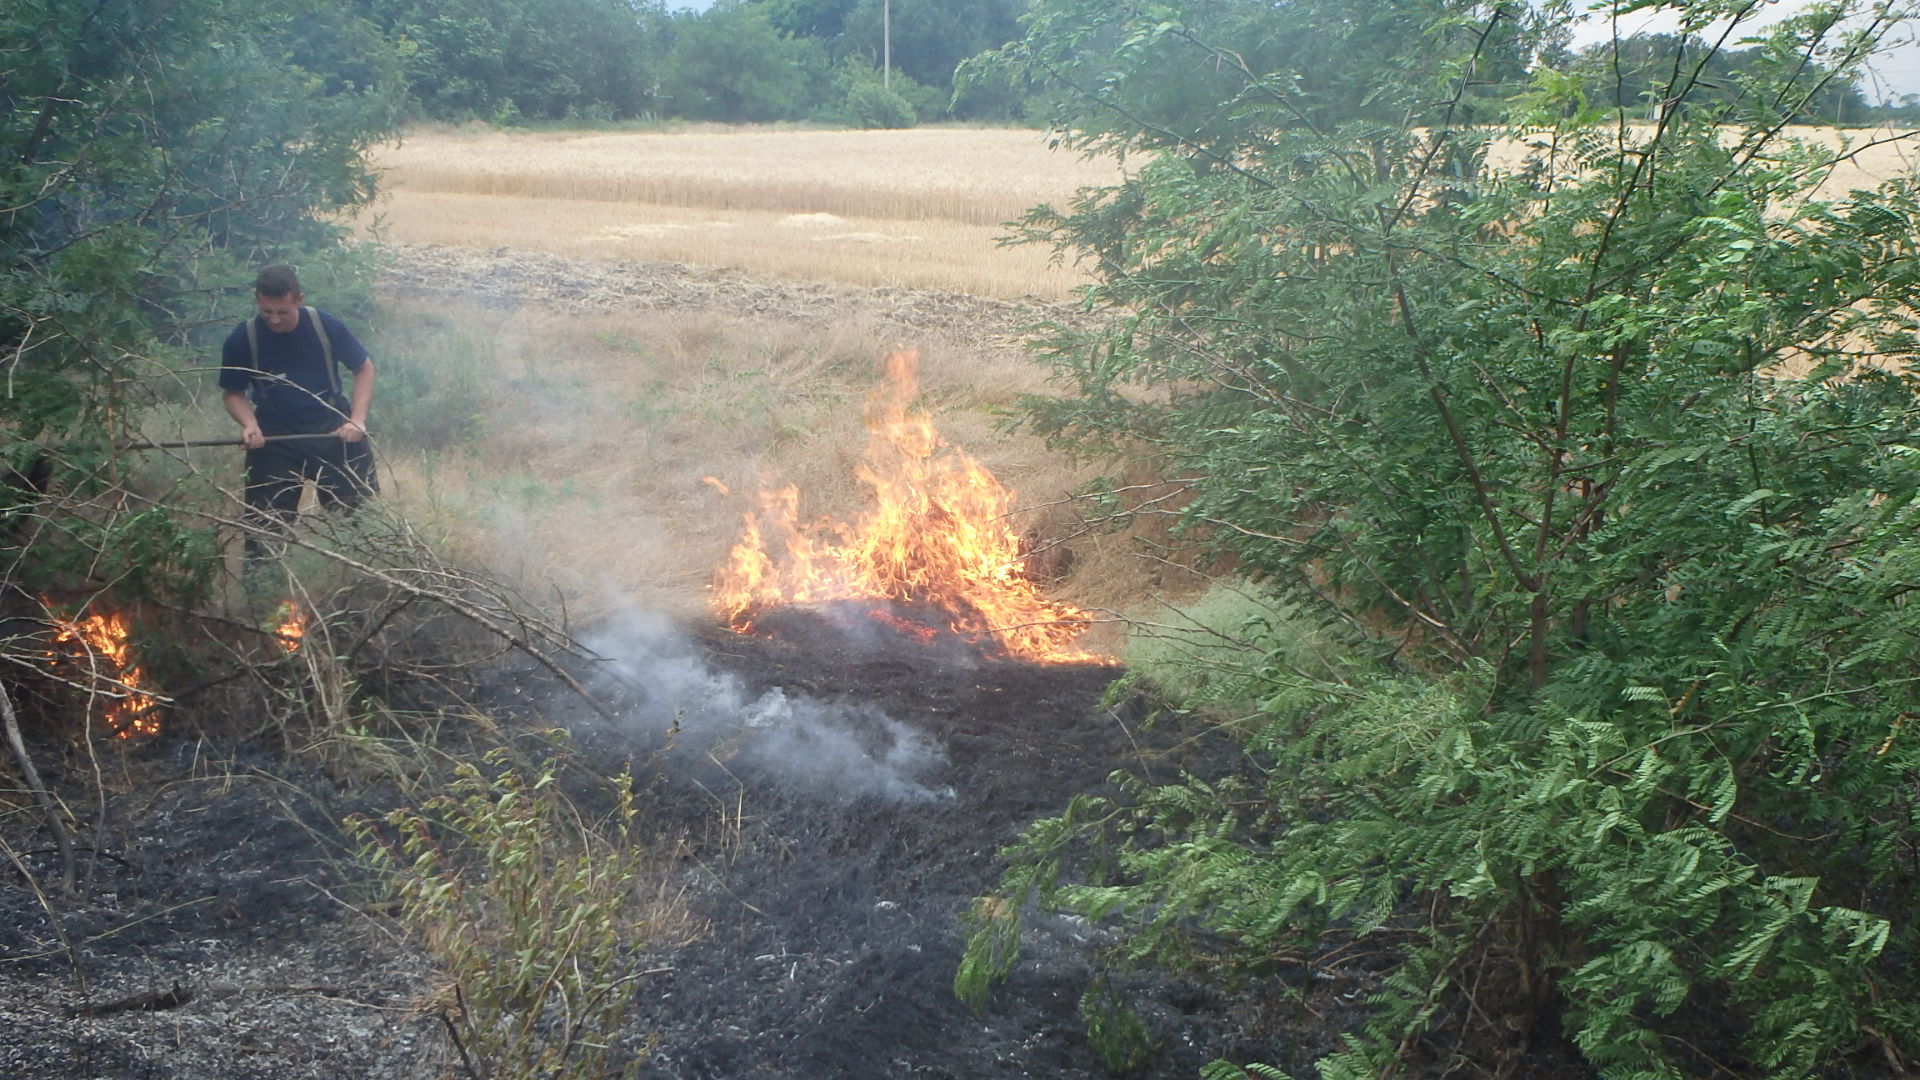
(918, 209)
(590, 479)
(813, 247)
(1878, 154)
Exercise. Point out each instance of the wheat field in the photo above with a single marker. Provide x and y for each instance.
(922, 208)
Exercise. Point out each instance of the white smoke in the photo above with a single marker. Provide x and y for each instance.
(664, 686)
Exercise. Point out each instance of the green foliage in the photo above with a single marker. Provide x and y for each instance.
(527, 909)
(156, 153)
(1223, 1070)
(438, 379)
(870, 105)
(1610, 455)
(504, 60)
(929, 41)
(731, 63)
(1114, 1029)
(601, 61)
(1640, 72)
(931, 37)
(1209, 653)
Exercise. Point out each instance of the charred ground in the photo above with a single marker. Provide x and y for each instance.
(220, 931)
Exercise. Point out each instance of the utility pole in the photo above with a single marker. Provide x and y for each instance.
(886, 44)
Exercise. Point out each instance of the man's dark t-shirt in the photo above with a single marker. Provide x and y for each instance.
(293, 393)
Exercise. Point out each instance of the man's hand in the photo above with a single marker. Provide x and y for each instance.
(351, 431)
(241, 410)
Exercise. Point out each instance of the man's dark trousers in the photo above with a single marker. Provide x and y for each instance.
(343, 475)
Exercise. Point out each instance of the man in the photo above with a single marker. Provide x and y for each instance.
(279, 378)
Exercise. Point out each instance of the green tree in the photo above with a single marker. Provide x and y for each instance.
(152, 154)
(1604, 458)
(731, 63)
(1642, 73)
(539, 59)
(822, 19)
(929, 40)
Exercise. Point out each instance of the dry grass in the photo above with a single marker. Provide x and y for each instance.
(918, 209)
(590, 479)
(915, 209)
(1877, 154)
(819, 247)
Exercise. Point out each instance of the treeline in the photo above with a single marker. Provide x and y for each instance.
(740, 61)
(1644, 72)
(748, 61)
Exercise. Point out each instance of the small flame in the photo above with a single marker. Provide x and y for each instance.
(290, 626)
(133, 711)
(936, 533)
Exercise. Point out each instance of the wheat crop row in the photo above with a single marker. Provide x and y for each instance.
(969, 176)
(927, 254)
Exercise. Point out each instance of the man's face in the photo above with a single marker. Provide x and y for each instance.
(280, 313)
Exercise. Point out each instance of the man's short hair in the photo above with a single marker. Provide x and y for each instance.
(277, 280)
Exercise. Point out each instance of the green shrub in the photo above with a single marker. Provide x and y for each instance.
(870, 105)
(1606, 457)
(527, 909)
(437, 385)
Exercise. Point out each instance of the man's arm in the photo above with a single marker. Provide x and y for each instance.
(241, 409)
(355, 428)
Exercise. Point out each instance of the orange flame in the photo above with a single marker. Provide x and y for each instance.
(290, 626)
(132, 710)
(937, 533)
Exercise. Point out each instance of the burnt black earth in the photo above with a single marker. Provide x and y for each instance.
(833, 900)
(831, 794)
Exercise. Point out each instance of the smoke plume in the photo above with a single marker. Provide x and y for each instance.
(664, 688)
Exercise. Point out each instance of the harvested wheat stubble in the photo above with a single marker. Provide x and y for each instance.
(978, 176)
(512, 277)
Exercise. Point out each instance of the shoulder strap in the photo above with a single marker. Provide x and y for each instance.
(253, 341)
(326, 347)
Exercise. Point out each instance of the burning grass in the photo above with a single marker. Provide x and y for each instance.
(587, 475)
(95, 649)
(935, 530)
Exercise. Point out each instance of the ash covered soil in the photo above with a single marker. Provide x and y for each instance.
(832, 798)
(849, 821)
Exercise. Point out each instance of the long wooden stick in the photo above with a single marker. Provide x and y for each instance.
(192, 444)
